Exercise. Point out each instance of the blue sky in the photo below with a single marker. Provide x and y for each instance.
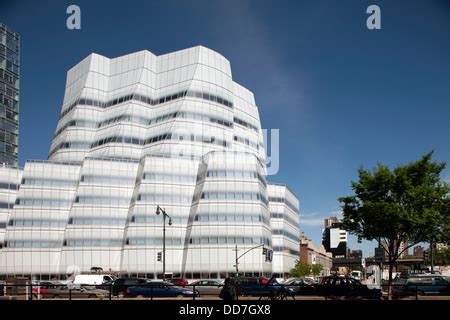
(341, 95)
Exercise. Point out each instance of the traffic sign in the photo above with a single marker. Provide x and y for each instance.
(379, 254)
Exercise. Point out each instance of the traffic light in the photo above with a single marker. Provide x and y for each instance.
(264, 252)
(269, 255)
(159, 256)
(425, 255)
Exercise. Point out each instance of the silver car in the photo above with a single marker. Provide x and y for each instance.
(207, 287)
(77, 292)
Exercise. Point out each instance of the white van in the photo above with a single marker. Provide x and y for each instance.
(93, 279)
(357, 275)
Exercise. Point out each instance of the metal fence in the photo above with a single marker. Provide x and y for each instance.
(33, 291)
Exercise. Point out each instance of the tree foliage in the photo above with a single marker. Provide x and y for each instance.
(409, 204)
(316, 269)
(442, 257)
(302, 269)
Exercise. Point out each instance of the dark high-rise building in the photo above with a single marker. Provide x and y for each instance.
(9, 95)
(334, 239)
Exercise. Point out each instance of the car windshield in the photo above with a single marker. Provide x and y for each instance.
(177, 280)
(421, 280)
(400, 281)
(160, 284)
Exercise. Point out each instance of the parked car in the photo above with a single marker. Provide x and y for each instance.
(63, 292)
(41, 289)
(182, 282)
(93, 279)
(158, 289)
(421, 284)
(310, 280)
(260, 287)
(356, 274)
(120, 286)
(207, 287)
(299, 286)
(335, 286)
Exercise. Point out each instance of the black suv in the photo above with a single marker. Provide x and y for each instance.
(120, 286)
(335, 286)
(259, 287)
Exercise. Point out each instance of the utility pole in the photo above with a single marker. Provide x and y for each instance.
(164, 247)
(381, 263)
(236, 260)
(165, 215)
(432, 256)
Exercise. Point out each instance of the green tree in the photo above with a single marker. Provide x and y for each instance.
(300, 269)
(316, 269)
(442, 257)
(409, 204)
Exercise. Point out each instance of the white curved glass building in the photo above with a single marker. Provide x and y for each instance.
(139, 131)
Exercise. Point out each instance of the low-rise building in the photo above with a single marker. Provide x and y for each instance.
(418, 252)
(310, 255)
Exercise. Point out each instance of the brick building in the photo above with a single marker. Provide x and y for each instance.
(310, 255)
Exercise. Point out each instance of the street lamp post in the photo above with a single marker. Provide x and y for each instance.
(165, 215)
(238, 257)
